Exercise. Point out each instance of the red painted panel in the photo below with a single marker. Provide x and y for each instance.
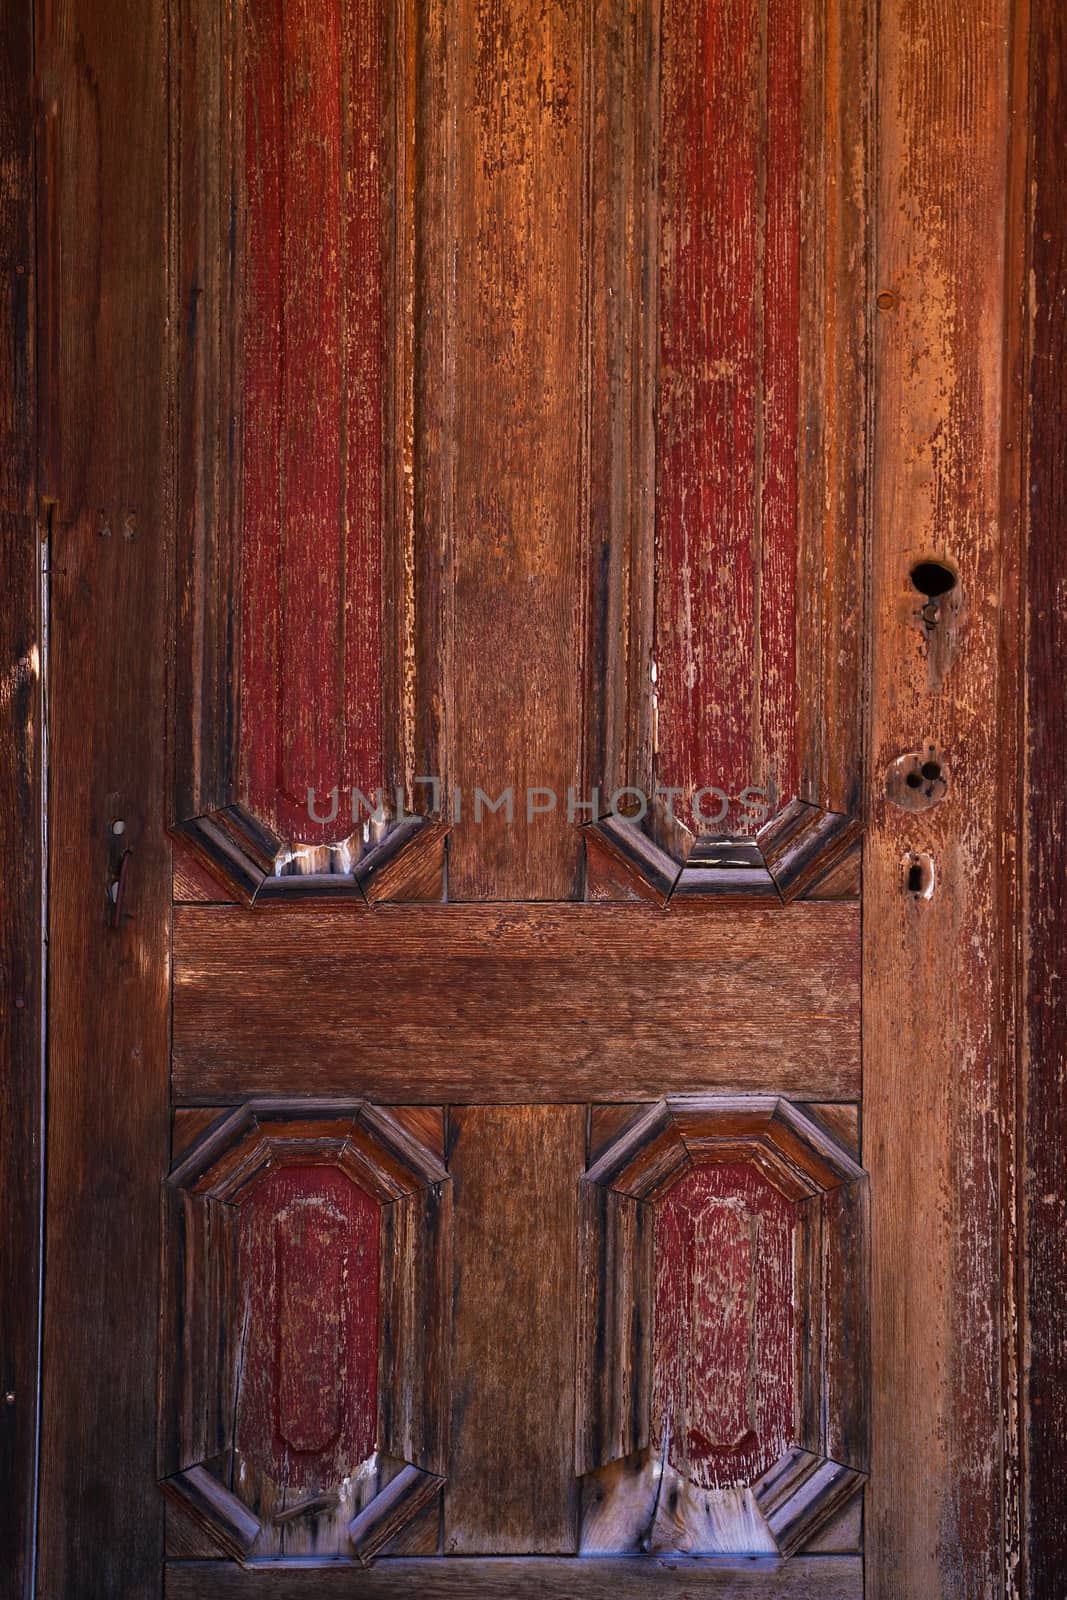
(307, 1402)
(312, 410)
(723, 1365)
(727, 402)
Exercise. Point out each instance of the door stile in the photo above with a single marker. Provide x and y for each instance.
(23, 552)
(1042, 1170)
(938, 977)
(105, 469)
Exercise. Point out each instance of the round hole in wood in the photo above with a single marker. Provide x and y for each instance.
(933, 578)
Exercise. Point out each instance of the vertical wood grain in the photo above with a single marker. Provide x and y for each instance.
(293, 180)
(614, 1341)
(104, 296)
(511, 1486)
(1043, 1174)
(20, 855)
(621, 304)
(933, 981)
(508, 398)
(313, 408)
(726, 445)
(835, 235)
(205, 194)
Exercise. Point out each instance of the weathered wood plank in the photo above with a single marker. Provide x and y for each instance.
(513, 196)
(934, 981)
(728, 222)
(614, 1340)
(1043, 1155)
(636, 1578)
(204, 157)
(416, 1316)
(568, 1003)
(835, 205)
(511, 1485)
(21, 989)
(104, 462)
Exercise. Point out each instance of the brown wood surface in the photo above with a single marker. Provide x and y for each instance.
(511, 1485)
(837, 70)
(21, 988)
(509, 408)
(634, 1578)
(1042, 1235)
(614, 1340)
(618, 504)
(104, 463)
(934, 983)
(568, 1003)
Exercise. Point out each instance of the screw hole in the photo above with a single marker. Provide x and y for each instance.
(913, 780)
(933, 578)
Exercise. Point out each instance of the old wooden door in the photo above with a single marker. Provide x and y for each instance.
(528, 499)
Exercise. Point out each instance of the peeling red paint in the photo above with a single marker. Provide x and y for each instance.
(723, 1365)
(728, 401)
(314, 384)
(306, 1403)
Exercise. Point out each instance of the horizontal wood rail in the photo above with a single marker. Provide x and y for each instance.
(498, 1003)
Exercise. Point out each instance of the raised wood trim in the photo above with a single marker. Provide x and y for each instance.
(786, 858)
(798, 1495)
(535, 1578)
(568, 1002)
(397, 1505)
(203, 1339)
(801, 1493)
(255, 868)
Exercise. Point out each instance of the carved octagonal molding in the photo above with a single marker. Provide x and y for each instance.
(723, 1354)
(302, 1405)
(405, 861)
(787, 857)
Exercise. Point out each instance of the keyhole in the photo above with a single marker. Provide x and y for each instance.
(933, 579)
